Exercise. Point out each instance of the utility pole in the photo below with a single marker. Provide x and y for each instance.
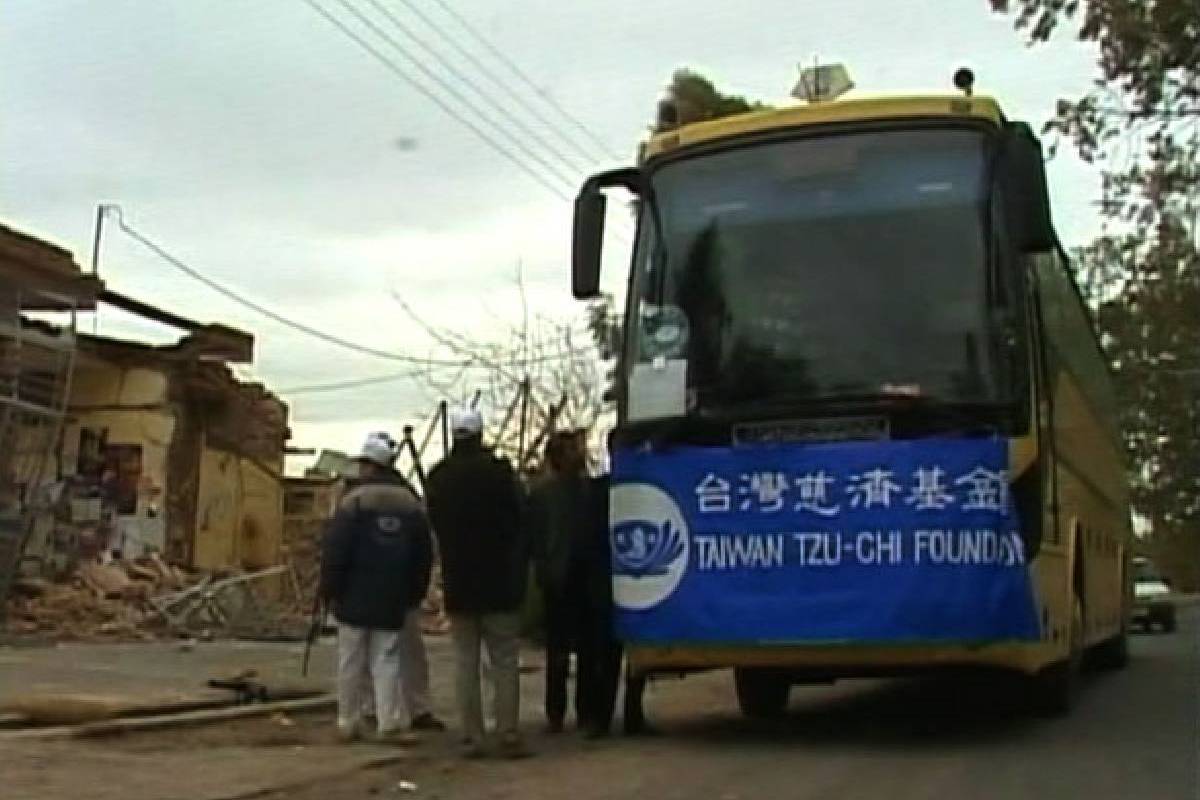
(102, 211)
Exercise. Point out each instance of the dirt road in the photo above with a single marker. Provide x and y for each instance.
(1134, 735)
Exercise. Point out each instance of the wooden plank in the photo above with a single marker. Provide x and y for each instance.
(72, 709)
(132, 724)
(11, 720)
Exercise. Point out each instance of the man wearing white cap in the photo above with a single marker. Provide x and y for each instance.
(376, 562)
(474, 502)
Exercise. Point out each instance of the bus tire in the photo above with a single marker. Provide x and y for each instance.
(761, 693)
(1056, 687)
(1113, 653)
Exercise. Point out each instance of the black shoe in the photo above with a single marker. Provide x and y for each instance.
(594, 732)
(427, 722)
(639, 729)
(554, 726)
(513, 747)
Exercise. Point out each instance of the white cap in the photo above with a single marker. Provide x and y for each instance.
(379, 448)
(465, 423)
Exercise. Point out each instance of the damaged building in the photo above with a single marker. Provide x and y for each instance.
(164, 449)
(123, 447)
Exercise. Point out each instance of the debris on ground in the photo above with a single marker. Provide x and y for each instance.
(244, 686)
(146, 599)
(98, 602)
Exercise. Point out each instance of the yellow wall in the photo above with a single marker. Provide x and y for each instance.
(216, 518)
(130, 403)
(262, 512)
(239, 513)
(239, 503)
(99, 383)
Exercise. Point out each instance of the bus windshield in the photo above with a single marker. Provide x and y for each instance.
(816, 269)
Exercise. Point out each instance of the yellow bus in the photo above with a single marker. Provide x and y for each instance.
(865, 427)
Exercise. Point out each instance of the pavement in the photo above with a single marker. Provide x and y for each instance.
(145, 673)
(1133, 735)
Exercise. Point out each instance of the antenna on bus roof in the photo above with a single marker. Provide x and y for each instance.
(822, 82)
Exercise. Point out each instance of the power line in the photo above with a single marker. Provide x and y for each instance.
(470, 359)
(531, 109)
(391, 66)
(516, 70)
(622, 235)
(448, 109)
(550, 147)
(466, 101)
(266, 312)
(350, 384)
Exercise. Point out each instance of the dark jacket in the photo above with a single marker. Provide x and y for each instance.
(600, 567)
(377, 554)
(475, 506)
(566, 521)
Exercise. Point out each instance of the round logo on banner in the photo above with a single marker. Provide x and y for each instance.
(649, 545)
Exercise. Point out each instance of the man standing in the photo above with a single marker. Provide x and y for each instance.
(375, 567)
(563, 524)
(606, 644)
(474, 503)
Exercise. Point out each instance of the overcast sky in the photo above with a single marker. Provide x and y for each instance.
(264, 148)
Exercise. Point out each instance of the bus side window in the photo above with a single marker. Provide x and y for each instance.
(1044, 413)
(1007, 301)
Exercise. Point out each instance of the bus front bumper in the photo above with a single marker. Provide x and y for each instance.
(824, 662)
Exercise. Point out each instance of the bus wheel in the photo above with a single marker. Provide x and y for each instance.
(761, 693)
(1056, 686)
(1112, 653)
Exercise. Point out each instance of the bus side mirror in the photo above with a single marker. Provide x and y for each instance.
(1022, 172)
(587, 242)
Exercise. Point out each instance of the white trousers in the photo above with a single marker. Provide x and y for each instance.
(369, 666)
(414, 670)
(414, 666)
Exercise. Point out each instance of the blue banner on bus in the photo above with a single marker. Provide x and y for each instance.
(895, 541)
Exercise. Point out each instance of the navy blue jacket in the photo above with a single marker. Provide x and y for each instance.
(377, 554)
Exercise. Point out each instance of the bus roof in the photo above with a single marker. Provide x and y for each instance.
(835, 111)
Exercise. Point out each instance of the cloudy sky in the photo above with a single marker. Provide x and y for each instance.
(263, 147)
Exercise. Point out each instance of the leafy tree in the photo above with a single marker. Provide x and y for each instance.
(1141, 123)
(691, 97)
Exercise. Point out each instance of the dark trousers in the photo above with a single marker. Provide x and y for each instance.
(634, 719)
(580, 624)
(607, 680)
(565, 621)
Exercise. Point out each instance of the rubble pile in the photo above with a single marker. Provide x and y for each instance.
(144, 599)
(111, 601)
